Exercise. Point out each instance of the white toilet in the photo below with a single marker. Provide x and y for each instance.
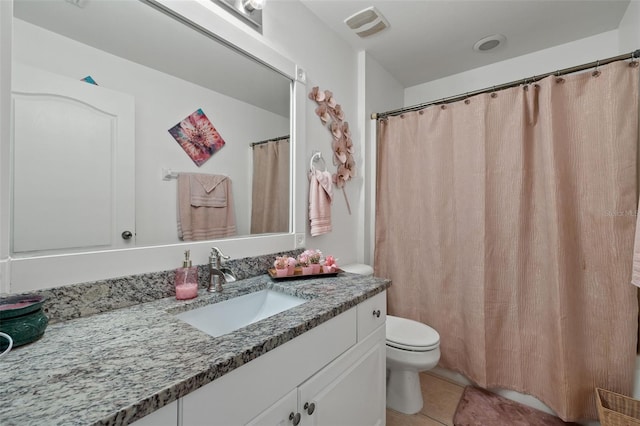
(412, 347)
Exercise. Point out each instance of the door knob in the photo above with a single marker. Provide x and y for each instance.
(294, 418)
(127, 235)
(309, 407)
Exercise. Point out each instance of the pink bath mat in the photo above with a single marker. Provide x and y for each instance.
(479, 407)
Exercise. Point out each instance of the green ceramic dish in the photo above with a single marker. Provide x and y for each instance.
(22, 318)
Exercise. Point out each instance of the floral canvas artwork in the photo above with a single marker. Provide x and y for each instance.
(197, 136)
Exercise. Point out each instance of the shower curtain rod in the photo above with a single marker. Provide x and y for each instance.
(269, 140)
(632, 55)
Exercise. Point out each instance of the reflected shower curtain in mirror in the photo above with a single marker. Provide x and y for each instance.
(270, 189)
(507, 224)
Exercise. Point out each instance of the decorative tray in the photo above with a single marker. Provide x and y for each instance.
(297, 274)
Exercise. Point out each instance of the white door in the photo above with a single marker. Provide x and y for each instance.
(73, 164)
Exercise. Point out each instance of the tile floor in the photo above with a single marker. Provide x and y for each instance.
(440, 401)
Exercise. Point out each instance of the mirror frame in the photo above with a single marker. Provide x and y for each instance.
(23, 274)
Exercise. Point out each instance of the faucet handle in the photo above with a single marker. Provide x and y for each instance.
(215, 251)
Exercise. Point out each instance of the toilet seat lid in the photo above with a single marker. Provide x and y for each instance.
(412, 335)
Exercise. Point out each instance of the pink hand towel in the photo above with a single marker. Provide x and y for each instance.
(320, 197)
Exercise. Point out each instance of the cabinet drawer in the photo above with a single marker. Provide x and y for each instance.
(372, 313)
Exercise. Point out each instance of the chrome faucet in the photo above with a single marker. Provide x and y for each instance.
(217, 275)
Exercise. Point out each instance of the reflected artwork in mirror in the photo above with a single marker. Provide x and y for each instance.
(88, 157)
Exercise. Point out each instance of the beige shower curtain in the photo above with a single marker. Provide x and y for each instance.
(270, 187)
(507, 224)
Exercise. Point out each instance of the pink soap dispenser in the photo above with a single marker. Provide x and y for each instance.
(186, 279)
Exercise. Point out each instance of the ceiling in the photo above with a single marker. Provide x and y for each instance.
(431, 39)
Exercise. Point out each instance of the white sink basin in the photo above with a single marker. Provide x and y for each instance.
(224, 317)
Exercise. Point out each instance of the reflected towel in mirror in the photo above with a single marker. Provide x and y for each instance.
(208, 190)
(208, 219)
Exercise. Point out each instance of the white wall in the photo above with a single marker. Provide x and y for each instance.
(586, 50)
(382, 93)
(156, 112)
(331, 64)
(629, 29)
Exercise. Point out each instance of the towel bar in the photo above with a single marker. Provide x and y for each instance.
(317, 156)
(168, 174)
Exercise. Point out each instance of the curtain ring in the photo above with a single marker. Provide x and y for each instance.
(559, 79)
(493, 93)
(467, 101)
(596, 72)
(634, 61)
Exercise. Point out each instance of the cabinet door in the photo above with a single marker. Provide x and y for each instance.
(282, 413)
(242, 394)
(165, 416)
(351, 390)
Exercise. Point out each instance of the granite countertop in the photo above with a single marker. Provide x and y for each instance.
(118, 366)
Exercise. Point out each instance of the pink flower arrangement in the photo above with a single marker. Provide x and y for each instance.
(303, 259)
(329, 264)
(291, 265)
(313, 255)
(281, 262)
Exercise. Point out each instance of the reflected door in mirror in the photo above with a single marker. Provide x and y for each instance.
(73, 163)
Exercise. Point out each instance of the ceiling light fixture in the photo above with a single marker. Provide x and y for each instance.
(249, 11)
(489, 43)
(251, 5)
(367, 22)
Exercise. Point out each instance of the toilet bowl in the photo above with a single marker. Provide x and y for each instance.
(412, 347)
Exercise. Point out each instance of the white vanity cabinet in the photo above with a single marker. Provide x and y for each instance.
(350, 391)
(332, 375)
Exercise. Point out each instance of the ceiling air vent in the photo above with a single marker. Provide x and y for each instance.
(367, 22)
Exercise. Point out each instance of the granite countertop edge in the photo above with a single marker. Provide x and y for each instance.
(209, 358)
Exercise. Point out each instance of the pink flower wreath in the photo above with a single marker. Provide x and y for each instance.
(332, 116)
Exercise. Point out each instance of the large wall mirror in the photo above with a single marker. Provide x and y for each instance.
(96, 87)
(94, 164)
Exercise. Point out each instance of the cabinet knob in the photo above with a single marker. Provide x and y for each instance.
(309, 407)
(376, 313)
(294, 418)
(127, 235)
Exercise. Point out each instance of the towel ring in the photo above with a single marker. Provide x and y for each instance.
(317, 156)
